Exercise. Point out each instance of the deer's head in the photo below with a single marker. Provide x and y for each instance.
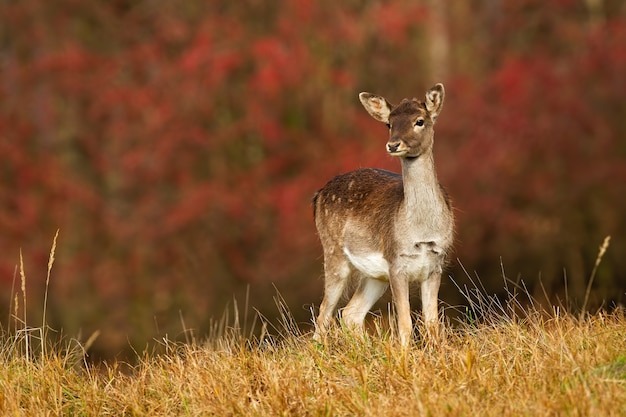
(410, 123)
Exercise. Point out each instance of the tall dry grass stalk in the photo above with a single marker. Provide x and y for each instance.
(22, 330)
(44, 323)
(24, 324)
(601, 251)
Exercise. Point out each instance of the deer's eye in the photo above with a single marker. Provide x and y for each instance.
(388, 125)
(419, 122)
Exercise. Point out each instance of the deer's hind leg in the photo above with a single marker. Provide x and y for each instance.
(337, 271)
(367, 293)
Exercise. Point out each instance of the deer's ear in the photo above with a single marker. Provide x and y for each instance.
(434, 100)
(376, 106)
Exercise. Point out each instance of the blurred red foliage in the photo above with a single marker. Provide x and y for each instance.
(176, 146)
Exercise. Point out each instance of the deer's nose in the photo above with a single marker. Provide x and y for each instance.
(393, 147)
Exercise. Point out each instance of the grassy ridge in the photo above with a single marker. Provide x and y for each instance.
(530, 365)
(505, 360)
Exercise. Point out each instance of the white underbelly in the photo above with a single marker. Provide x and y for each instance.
(372, 264)
(416, 266)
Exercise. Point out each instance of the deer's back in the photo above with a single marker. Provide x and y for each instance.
(364, 189)
(366, 199)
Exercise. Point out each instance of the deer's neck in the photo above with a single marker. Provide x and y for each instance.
(421, 188)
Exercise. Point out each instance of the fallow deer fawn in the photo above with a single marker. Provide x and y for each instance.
(385, 229)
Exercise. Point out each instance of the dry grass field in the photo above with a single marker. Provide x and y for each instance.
(529, 364)
(503, 359)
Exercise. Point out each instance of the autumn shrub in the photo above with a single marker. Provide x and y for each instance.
(176, 146)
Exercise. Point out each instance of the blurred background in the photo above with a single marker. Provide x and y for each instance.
(176, 146)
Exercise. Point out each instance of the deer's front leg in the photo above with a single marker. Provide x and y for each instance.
(400, 293)
(430, 311)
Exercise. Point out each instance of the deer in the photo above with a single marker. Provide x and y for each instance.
(380, 229)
